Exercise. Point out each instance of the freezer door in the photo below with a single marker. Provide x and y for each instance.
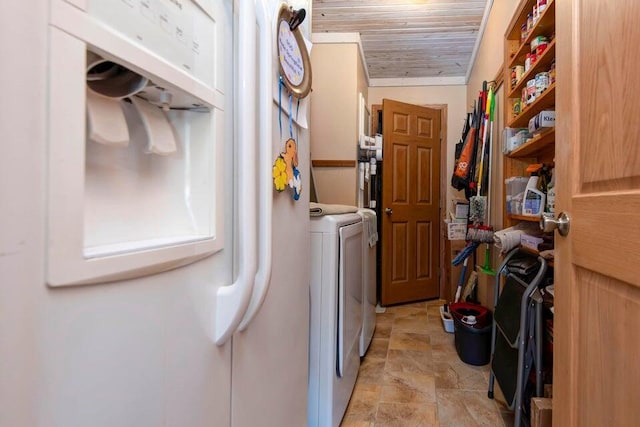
(128, 353)
(136, 145)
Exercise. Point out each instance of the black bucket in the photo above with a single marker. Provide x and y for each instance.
(473, 342)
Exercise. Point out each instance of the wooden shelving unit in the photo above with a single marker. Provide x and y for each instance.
(540, 149)
(545, 26)
(533, 147)
(524, 218)
(545, 101)
(542, 64)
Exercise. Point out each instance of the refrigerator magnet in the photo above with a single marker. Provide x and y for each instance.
(285, 170)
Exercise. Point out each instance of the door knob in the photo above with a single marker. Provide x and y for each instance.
(388, 211)
(548, 224)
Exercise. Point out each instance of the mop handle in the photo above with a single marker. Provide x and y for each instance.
(490, 108)
(484, 140)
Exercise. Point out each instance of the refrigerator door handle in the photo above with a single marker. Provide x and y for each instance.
(263, 276)
(232, 301)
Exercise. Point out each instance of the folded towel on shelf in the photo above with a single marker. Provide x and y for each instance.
(509, 238)
(319, 209)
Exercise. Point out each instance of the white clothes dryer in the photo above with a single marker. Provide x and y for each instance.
(336, 316)
(369, 242)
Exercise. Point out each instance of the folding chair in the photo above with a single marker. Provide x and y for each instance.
(516, 336)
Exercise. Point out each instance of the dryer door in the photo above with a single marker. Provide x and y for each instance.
(349, 297)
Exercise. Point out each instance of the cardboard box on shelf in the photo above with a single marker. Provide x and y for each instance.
(545, 119)
(541, 412)
(457, 230)
(460, 208)
(548, 390)
(530, 242)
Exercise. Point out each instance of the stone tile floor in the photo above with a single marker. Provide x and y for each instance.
(411, 376)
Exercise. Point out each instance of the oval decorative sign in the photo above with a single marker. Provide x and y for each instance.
(293, 58)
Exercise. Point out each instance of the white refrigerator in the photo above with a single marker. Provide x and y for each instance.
(149, 274)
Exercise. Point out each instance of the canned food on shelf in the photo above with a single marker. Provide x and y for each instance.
(531, 91)
(517, 106)
(536, 41)
(552, 72)
(542, 5)
(539, 44)
(530, 59)
(519, 72)
(542, 82)
(524, 32)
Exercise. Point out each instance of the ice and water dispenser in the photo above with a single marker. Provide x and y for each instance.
(138, 115)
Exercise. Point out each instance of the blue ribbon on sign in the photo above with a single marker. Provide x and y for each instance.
(297, 110)
(280, 83)
(296, 172)
(291, 116)
(280, 86)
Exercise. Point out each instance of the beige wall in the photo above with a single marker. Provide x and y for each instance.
(491, 51)
(488, 62)
(455, 99)
(334, 118)
(338, 76)
(363, 83)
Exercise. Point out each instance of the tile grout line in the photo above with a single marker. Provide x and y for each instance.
(428, 330)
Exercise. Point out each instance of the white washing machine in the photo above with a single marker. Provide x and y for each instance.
(336, 315)
(369, 241)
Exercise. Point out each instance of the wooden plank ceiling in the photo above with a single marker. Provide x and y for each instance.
(405, 38)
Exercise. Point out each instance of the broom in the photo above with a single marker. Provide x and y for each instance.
(478, 202)
(480, 231)
(487, 233)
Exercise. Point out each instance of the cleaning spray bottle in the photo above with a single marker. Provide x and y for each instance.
(551, 194)
(534, 199)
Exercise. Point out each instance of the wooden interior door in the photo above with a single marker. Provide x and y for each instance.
(597, 306)
(410, 202)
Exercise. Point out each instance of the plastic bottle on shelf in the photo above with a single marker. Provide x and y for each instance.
(551, 194)
(542, 5)
(534, 199)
